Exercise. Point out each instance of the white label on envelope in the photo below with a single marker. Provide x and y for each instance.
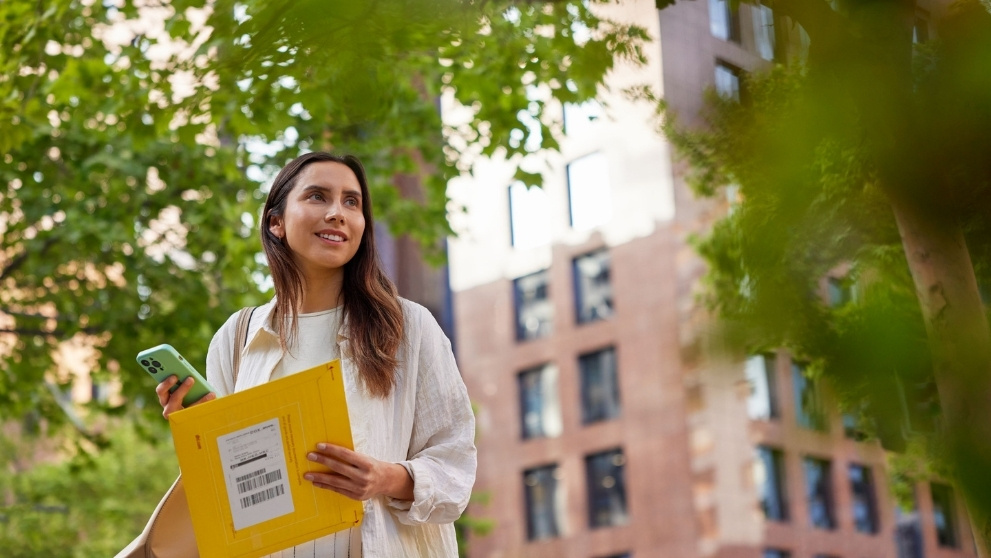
(256, 473)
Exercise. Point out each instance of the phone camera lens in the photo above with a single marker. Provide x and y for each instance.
(156, 364)
(145, 363)
(152, 370)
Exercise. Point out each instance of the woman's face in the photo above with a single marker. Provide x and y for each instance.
(323, 220)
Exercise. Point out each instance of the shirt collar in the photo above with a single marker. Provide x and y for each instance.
(261, 323)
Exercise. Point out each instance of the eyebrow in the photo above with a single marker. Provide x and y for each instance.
(347, 192)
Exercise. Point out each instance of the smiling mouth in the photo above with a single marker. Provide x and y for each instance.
(333, 237)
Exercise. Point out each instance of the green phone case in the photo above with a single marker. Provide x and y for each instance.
(164, 361)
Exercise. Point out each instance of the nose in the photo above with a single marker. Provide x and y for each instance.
(334, 212)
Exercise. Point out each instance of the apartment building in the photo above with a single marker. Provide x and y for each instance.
(605, 430)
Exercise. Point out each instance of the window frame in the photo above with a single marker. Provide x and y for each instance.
(580, 292)
(550, 505)
(603, 410)
(594, 492)
(545, 328)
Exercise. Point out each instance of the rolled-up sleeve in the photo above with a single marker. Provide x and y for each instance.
(442, 457)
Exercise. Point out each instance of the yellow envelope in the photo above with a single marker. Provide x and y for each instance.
(243, 458)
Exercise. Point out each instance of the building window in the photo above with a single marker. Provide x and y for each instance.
(600, 386)
(864, 504)
(769, 477)
(841, 290)
(540, 409)
(762, 402)
(908, 529)
(728, 81)
(528, 209)
(764, 38)
(819, 491)
(808, 404)
(776, 553)
(593, 289)
(606, 489)
(944, 515)
(544, 502)
(724, 21)
(534, 311)
(588, 192)
(580, 118)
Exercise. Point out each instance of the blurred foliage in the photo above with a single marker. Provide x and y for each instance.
(87, 506)
(833, 157)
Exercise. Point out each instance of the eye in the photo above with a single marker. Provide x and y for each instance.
(351, 201)
(315, 195)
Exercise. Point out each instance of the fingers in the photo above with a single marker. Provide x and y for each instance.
(208, 397)
(172, 402)
(349, 473)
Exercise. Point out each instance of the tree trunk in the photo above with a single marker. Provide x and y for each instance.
(960, 340)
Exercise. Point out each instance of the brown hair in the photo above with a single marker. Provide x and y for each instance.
(372, 310)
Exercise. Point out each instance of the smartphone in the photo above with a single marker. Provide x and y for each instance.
(164, 361)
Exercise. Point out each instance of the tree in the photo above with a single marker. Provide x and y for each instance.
(137, 138)
(87, 505)
(867, 161)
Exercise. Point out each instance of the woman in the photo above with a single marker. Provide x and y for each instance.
(414, 460)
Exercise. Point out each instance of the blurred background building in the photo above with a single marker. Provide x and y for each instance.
(605, 426)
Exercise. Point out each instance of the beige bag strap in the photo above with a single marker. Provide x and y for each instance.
(240, 338)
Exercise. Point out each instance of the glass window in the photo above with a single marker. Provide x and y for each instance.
(819, 491)
(776, 553)
(864, 504)
(544, 502)
(606, 489)
(728, 81)
(528, 210)
(593, 289)
(600, 385)
(540, 409)
(588, 192)
(762, 402)
(944, 515)
(764, 38)
(769, 477)
(841, 291)
(724, 21)
(808, 405)
(534, 311)
(908, 529)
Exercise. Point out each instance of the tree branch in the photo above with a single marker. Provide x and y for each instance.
(19, 259)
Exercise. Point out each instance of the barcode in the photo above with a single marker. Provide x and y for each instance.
(249, 475)
(260, 497)
(257, 482)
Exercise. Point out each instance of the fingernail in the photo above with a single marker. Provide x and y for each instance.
(311, 456)
(321, 447)
(308, 477)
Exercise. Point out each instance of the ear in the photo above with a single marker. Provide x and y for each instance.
(277, 226)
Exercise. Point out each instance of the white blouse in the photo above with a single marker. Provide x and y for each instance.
(425, 424)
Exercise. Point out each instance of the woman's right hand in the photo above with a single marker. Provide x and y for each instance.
(172, 402)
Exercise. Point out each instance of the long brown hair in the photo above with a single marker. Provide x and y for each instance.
(372, 310)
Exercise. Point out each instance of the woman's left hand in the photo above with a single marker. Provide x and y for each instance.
(358, 476)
